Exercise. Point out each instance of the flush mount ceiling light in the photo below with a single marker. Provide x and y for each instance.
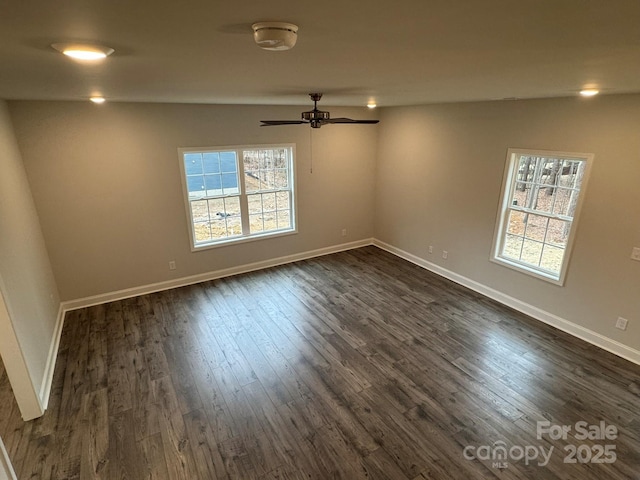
(276, 36)
(83, 52)
(589, 92)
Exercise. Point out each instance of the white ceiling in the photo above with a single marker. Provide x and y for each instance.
(400, 52)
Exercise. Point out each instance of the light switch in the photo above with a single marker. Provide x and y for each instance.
(635, 254)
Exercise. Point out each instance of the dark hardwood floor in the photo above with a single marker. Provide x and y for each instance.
(356, 365)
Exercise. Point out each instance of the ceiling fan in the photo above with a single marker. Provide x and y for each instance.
(316, 118)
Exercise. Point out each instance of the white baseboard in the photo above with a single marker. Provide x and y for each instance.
(6, 470)
(45, 388)
(203, 277)
(571, 328)
(574, 329)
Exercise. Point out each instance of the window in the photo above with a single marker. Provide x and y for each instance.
(541, 197)
(237, 193)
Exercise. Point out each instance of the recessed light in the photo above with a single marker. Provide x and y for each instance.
(83, 52)
(589, 92)
(97, 99)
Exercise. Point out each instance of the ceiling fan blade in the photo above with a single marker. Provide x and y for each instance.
(268, 123)
(349, 120)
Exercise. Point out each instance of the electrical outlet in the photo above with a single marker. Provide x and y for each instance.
(430, 248)
(172, 265)
(445, 254)
(344, 232)
(621, 323)
(635, 254)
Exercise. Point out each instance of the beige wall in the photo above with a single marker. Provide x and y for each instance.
(106, 184)
(439, 177)
(107, 188)
(27, 284)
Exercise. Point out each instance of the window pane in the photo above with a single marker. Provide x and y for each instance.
(202, 232)
(536, 227)
(266, 159)
(199, 211)
(251, 160)
(558, 232)
(284, 219)
(234, 226)
(193, 164)
(282, 200)
(520, 194)
(572, 172)
(563, 202)
(269, 180)
(216, 206)
(281, 160)
(232, 206)
(255, 223)
(211, 162)
(195, 186)
(228, 162)
(512, 247)
(229, 183)
(552, 258)
(281, 178)
(268, 202)
(213, 184)
(516, 223)
(255, 203)
(543, 199)
(269, 221)
(531, 252)
(251, 181)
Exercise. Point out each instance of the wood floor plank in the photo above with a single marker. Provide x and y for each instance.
(94, 459)
(204, 445)
(173, 431)
(154, 465)
(124, 452)
(356, 365)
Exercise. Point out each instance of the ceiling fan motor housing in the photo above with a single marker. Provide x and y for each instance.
(316, 117)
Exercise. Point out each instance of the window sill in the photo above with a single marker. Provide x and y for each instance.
(238, 240)
(527, 270)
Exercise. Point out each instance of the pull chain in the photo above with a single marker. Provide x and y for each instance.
(311, 150)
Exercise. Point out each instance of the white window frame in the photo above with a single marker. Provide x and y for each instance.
(505, 207)
(246, 236)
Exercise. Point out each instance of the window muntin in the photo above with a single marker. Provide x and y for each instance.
(540, 204)
(238, 193)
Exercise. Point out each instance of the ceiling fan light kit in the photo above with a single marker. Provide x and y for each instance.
(276, 36)
(315, 118)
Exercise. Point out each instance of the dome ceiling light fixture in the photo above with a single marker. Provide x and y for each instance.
(83, 51)
(276, 36)
(589, 92)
